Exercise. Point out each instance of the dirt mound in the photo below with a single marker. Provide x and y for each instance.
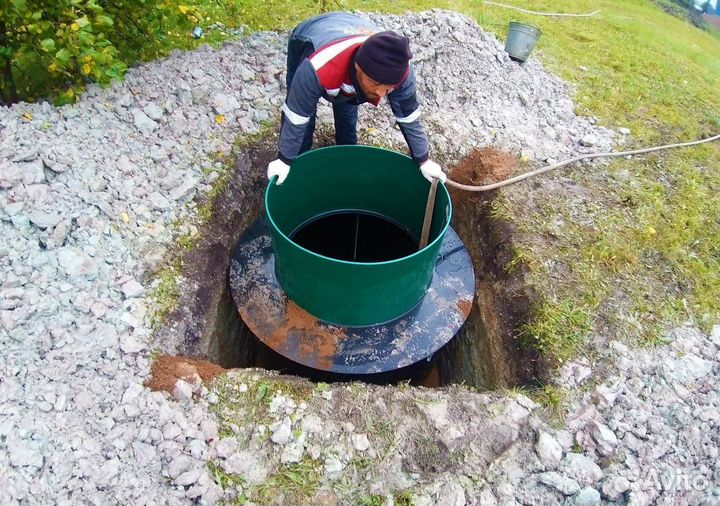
(480, 167)
(167, 369)
(485, 166)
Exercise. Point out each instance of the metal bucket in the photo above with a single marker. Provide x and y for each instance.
(362, 179)
(700, 5)
(521, 40)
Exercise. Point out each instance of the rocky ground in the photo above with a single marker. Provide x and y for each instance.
(92, 196)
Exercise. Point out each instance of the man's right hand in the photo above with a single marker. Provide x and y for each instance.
(278, 168)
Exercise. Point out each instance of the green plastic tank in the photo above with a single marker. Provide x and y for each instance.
(359, 181)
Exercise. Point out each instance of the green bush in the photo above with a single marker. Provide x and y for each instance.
(53, 48)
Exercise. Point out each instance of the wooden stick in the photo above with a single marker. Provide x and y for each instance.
(542, 13)
(429, 208)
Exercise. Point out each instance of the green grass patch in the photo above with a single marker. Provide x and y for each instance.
(553, 399)
(245, 401)
(404, 498)
(559, 327)
(165, 295)
(373, 500)
(296, 483)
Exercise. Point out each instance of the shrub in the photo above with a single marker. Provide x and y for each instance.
(53, 48)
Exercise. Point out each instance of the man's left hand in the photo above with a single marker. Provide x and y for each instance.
(432, 170)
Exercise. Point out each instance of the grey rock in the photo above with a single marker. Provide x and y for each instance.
(20, 222)
(55, 166)
(171, 431)
(642, 497)
(124, 165)
(548, 449)
(360, 442)
(281, 432)
(33, 172)
(581, 468)
(311, 423)
(688, 369)
(486, 498)
(452, 494)
(10, 174)
(44, 220)
(60, 233)
(574, 373)
(248, 464)
(27, 155)
(158, 201)
(197, 448)
(589, 140)
(333, 467)
(587, 497)
(37, 193)
(562, 484)
(76, 262)
(293, 453)
(715, 335)
(130, 344)
(224, 104)
(153, 111)
(13, 208)
(199, 94)
(21, 454)
(132, 289)
(182, 391)
(184, 188)
(83, 400)
(225, 447)
(180, 465)
(605, 438)
(143, 122)
(614, 488)
(108, 471)
(188, 477)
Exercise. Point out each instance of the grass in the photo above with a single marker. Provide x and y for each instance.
(553, 399)
(558, 328)
(250, 405)
(165, 295)
(297, 483)
(229, 481)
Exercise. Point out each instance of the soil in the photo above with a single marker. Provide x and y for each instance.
(480, 167)
(465, 307)
(485, 166)
(167, 369)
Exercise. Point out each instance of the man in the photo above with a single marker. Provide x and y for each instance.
(348, 61)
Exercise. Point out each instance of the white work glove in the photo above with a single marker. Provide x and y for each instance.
(278, 168)
(432, 170)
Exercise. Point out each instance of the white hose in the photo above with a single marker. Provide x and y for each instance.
(521, 177)
(541, 13)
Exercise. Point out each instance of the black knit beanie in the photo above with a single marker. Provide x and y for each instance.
(384, 57)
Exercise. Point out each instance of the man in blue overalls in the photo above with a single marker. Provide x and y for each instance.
(348, 61)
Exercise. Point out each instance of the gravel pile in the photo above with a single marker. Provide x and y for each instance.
(91, 196)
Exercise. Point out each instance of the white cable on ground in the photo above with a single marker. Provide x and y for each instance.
(515, 179)
(542, 13)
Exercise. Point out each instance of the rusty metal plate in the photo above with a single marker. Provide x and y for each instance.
(297, 335)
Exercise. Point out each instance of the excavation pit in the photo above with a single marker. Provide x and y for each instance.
(484, 354)
(332, 277)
